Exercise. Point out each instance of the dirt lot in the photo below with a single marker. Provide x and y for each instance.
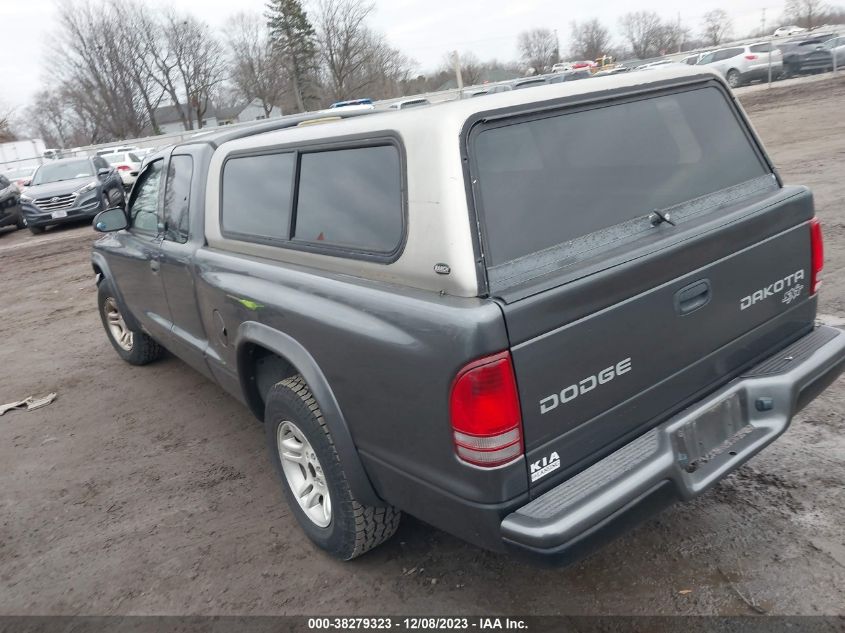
(146, 490)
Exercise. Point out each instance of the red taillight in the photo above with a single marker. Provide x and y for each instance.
(750, 57)
(817, 246)
(123, 168)
(484, 406)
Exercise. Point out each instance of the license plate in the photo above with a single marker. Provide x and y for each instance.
(712, 433)
(58, 214)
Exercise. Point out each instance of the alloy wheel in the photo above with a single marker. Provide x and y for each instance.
(117, 326)
(304, 473)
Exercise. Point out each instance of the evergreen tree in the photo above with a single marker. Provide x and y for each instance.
(295, 39)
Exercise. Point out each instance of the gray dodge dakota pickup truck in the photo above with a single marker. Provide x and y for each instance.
(530, 319)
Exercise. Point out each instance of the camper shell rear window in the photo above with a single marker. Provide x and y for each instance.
(567, 183)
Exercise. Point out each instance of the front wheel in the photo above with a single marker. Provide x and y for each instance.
(133, 346)
(316, 488)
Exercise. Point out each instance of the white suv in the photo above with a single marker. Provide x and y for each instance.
(128, 164)
(742, 64)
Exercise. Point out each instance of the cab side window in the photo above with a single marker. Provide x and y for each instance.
(143, 207)
(177, 193)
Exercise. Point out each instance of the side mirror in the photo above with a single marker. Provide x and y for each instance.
(113, 219)
(102, 173)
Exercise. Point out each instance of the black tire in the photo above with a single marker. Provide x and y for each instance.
(734, 78)
(21, 223)
(355, 528)
(36, 230)
(142, 349)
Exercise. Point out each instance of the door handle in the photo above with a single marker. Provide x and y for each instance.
(692, 297)
(155, 266)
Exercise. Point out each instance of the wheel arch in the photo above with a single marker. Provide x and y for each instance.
(103, 272)
(266, 356)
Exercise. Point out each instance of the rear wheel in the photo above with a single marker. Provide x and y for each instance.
(316, 488)
(133, 346)
(733, 78)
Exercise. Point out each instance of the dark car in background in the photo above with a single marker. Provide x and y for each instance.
(796, 52)
(69, 190)
(826, 56)
(10, 211)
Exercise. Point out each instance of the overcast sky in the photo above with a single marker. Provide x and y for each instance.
(422, 29)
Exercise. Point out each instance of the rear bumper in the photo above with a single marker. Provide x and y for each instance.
(679, 459)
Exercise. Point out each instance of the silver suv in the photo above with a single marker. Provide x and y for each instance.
(742, 64)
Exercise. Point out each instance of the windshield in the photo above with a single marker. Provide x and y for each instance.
(706, 59)
(63, 171)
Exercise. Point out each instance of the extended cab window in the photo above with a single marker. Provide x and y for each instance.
(546, 181)
(350, 198)
(177, 192)
(257, 195)
(143, 208)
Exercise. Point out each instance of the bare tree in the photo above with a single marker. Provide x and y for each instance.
(344, 44)
(642, 31)
(6, 132)
(538, 49)
(807, 13)
(716, 27)
(649, 36)
(472, 70)
(94, 70)
(134, 22)
(198, 62)
(294, 40)
(357, 60)
(256, 68)
(590, 39)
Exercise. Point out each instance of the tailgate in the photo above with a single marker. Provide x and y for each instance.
(590, 382)
(642, 252)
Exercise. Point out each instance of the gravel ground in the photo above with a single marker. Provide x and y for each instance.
(147, 491)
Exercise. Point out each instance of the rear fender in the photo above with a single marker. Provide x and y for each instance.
(288, 348)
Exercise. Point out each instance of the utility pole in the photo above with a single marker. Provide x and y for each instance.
(680, 34)
(458, 77)
(557, 48)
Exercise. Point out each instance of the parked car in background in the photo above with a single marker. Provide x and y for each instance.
(786, 31)
(529, 82)
(70, 189)
(498, 88)
(116, 150)
(409, 103)
(571, 75)
(825, 54)
(693, 59)
(795, 52)
(10, 210)
(351, 103)
(742, 64)
(613, 71)
(20, 176)
(127, 164)
(657, 64)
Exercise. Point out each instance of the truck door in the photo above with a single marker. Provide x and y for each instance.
(136, 264)
(177, 249)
